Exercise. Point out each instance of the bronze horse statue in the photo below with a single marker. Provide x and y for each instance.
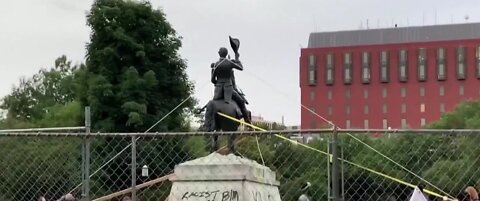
(227, 99)
(221, 123)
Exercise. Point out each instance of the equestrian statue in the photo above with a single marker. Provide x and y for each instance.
(227, 98)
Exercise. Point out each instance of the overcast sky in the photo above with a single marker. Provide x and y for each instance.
(33, 33)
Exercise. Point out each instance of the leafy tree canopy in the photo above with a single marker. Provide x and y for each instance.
(135, 75)
(43, 95)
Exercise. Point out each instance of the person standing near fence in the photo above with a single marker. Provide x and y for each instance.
(472, 193)
(41, 198)
(305, 187)
(67, 197)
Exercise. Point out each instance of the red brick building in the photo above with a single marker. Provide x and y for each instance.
(396, 77)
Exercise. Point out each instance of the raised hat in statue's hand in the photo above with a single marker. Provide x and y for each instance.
(235, 43)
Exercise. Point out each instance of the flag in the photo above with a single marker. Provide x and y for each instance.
(417, 195)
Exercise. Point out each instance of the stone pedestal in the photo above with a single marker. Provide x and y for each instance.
(223, 178)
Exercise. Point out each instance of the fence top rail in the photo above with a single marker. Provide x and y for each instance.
(201, 133)
(153, 134)
(76, 128)
(430, 131)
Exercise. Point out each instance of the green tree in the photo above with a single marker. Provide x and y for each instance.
(135, 73)
(465, 115)
(41, 165)
(135, 76)
(36, 96)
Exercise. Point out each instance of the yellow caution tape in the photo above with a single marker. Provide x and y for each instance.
(330, 156)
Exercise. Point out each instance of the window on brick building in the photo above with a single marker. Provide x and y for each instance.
(365, 67)
(384, 92)
(403, 66)
(404, 123)
(477, 61)
(403, 92)
(365, 109)
(461, 74)
(403, 108)
(422, 64)
(442, 91)
(347, 75)
(312, 95)
(329, 110)
(461, 90)
(441, 65)
(347, 124)
(384, 72)
(442, 107)
(423, 122)
(347, 109)
(384, 108)
(329, 94)
(422, 108)
(312, 70)
(365, 123)
(385, 124)
(422, 91)
(365, 93)
(330, 74)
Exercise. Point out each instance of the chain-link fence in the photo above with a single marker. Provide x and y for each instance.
(373, 166)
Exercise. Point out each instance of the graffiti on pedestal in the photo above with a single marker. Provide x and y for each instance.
(211, 195)
(262, 196)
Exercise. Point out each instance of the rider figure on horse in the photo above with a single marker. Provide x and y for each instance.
(224, 80)
(225, 91)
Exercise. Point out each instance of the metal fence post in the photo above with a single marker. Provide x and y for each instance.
(329, 169)
(134, 169)
(86, 179)
(342, 189)
(335, 167)
(83, 193)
